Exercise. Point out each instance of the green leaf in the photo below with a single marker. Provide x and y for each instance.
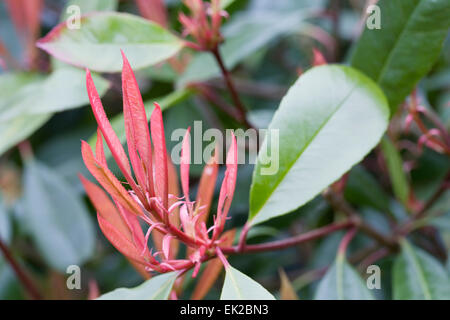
(399, 54)
(394, 164)
(89, 6)
(165, 102)
(19, 128)
(85, 6)
(61, 90)
(156, 288)
(97, 43)
(418, 275)
(363, 189)
(238, 286)
(56, 217)
(342, 282)
(327, 122)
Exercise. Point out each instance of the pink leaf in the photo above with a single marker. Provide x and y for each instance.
(185, 162)
(207, 185)
(121, 243)
(227, 189)
(99, 152)
(159, 143)
(107, 180)
(166, 245)
(136, 127)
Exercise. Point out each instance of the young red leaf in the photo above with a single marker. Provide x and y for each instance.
(207, 185)
(110, 136)
(107, 180)
(153, 10)
(159, 143)
(227, 189)
(105, 207)
(99, 151)
(185, 162)
(174, 217)
(136, 127)
(119, 241)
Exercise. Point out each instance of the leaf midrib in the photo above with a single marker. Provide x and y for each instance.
(304, 148)
(416, 264)
(233, 280)
(397, 41)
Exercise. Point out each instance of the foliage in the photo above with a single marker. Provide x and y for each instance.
(352, 175)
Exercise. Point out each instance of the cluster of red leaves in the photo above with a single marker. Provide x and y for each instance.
(206, 32)
(153, 198)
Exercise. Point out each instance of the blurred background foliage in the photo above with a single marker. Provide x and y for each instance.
(44, 215)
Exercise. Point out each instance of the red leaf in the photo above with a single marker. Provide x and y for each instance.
(207, 185)
(105, 207)
(107, 180)
(110, 136)
(227, 189)
(174, 217)
(185, 162)
(120, 242)
(159, 143)
(134, 225)
(99, 152)
(136, 127)
(153, 10)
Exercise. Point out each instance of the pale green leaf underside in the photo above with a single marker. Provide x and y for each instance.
(156, 288)
(56, 218)
(238, 286)
(342, 282)
(417, 276)
(327, 122)
(63, 89)
(97, 43)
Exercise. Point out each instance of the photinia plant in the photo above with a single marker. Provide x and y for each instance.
(149, 199)
(334, 183)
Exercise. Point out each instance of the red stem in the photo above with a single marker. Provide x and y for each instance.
(286, 243)
(23, 277)
(346, 241)
(234, 95)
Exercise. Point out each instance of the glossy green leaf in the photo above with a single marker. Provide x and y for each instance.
(156, 288)
(56, 218)
(417, 276)
(321, 136)
(97, 43)
(399, 54)
(165, 102)
(238, 286)
(61, 90)
(397, 175)
(342, 282)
